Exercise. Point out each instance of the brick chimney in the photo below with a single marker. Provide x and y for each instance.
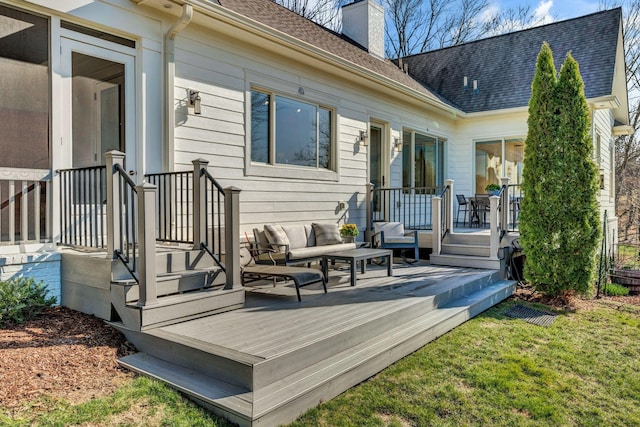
(363, 22)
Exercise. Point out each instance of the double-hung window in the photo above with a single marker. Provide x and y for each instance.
(287, 131)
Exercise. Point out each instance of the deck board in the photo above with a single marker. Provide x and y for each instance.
(274, 323)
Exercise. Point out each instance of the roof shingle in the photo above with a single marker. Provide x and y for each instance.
(504, 65)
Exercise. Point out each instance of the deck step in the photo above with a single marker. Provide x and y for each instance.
(306, 345)
(286, 399)
(228, 400)
(283, 400)
(466, 249)
(467, 239)
(171, 309)
(466, 261)
(176, 283)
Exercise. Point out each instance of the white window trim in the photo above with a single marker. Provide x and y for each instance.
(441, 142)
(276, 87)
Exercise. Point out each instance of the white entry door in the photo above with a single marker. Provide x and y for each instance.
(98, 100)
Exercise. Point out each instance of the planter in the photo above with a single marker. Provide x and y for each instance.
(493, 192)
(628, 278)
(348, 239)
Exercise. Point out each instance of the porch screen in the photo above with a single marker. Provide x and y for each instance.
(24, 83)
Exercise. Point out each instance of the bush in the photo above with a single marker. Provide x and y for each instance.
(22, 299)
(615, 290)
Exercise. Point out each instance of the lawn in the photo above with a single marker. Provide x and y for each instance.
(493, 370)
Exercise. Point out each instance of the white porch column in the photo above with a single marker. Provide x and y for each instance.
(113, 199)
(436, 229)
(449, 206)
(495, 230)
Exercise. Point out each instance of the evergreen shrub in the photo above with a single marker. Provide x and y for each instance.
(22, 299)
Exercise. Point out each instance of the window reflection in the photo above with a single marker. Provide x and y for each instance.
(303, 132)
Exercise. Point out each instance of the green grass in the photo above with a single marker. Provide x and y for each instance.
(492, 370)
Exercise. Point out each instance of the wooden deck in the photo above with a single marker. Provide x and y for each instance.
(268, 362)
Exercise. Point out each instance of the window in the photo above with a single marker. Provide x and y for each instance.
(422, 160)
(286, 131)
(25, 87)
(496, 159)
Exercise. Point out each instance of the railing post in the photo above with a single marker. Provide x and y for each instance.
(113, 199)
(506, 204)
(232, 236)
(199, 206)
(146, 195)
(449, 206)
(436, 229)
(493, 223)
(368, 210)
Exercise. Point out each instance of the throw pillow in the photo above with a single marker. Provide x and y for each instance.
(276, 236)
(326, 234)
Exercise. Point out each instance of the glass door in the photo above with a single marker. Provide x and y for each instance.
(100, 90)
(377, 162)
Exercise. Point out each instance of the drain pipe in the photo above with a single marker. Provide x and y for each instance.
(169, 80)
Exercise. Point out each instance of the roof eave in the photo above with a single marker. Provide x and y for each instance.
(263, 31)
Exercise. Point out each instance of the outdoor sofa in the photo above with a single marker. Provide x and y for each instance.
(298, 243)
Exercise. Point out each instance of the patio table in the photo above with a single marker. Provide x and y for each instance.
(352, 256)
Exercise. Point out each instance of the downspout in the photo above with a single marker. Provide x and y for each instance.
(170, 73)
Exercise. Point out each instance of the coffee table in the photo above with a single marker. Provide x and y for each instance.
(352, 256)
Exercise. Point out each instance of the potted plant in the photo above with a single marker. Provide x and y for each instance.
(349, 232)
(492, 189)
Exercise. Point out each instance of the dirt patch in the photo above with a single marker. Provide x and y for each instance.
(571, 302)
(61, 354)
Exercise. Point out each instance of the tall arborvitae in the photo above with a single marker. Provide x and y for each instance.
(537, 216)
(559, 220)
(578, 198)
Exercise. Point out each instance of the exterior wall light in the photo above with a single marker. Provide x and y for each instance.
(363, 137)
(194, 101)
(397, 144)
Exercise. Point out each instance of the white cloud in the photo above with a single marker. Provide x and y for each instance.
(542, 12)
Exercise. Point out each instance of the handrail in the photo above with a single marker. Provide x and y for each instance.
(409, 205)
(443, 217)
(214, 200)
(126, 207)
(174, 208)
(82, 206)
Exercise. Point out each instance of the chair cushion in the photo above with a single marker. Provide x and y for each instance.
(408, 240)
(391, 229)
(297, 235)
(326, 234)
(276, 236)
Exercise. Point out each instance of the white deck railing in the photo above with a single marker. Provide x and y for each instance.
(25, 214)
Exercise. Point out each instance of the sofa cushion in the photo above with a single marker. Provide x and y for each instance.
(297, 235)
(311, 236)
(318, 251)
(326, 234)
(276, 236)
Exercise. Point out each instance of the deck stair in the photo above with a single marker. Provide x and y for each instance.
(467, 250)
(268, 362)
(188, 284)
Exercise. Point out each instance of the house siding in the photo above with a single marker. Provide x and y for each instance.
(42, 267)
(224, 70)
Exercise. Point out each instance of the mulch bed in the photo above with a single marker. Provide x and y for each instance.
(61, 354)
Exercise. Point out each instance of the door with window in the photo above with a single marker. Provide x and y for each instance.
(377, 163)
(99, 89)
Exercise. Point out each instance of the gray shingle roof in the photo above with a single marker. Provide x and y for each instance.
(504, 65)
(275, 16)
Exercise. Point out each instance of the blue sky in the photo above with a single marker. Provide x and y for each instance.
(552, 10)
